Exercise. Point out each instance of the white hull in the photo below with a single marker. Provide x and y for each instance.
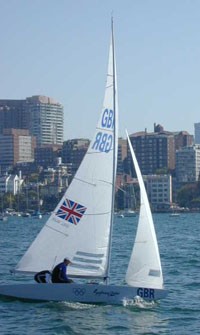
(83, 293)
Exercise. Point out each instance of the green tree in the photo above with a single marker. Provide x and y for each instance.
(186, 195)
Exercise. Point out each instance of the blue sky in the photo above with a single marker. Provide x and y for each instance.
(59, 48)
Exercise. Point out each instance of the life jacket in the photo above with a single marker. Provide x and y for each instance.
(43, 276)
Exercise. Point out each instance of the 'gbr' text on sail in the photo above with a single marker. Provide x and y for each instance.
(104, 140)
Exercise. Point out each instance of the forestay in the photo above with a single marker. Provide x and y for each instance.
(144, 268)
(80, 226)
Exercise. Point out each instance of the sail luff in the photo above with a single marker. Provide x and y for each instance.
(144, 267)
(115, 147)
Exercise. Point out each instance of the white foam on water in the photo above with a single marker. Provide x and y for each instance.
(77, 305)
(137, 301)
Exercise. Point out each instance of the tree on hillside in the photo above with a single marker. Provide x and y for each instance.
(187, 194)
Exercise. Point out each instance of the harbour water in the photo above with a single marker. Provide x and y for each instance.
(178, 314)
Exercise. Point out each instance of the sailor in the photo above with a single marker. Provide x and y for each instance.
(59, 274)
(43, 276)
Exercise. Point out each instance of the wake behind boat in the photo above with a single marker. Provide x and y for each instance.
(81, 228)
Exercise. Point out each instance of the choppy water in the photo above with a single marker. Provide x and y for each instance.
(178, 314)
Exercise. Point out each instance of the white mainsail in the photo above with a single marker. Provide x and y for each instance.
(81, 224)
(144, 269)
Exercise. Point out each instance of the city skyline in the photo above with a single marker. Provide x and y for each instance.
(60, 50)
(196, 125)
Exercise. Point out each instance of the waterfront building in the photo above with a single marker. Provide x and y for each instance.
(41, 115)
(56, 180)
(125, 197)
(10, 183)
(159, 190)
(188, 164)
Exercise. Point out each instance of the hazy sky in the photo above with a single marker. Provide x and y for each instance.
(59, 48)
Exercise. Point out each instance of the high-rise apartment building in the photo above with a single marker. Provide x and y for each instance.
(13, 114)
(154, 151)
(197, 133)
(16, 146)
(183, 139)
(41, 115)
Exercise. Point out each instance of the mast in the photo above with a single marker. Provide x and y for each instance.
(114, 153)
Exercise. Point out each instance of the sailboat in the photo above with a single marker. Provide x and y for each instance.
(80, 228)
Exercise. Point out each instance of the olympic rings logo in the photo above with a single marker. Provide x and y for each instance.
(79, 291)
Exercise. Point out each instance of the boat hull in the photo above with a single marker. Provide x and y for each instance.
(83, 293)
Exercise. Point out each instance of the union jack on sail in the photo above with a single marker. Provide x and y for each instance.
(71, 211)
